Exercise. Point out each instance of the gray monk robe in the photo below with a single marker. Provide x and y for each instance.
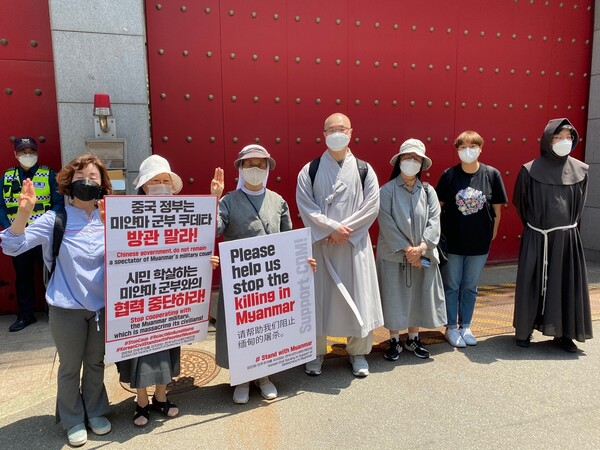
(549, 195)
(338, 197)
(237, 220)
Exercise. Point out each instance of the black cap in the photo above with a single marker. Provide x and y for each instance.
(25, 142)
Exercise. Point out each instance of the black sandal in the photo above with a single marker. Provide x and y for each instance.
(163, 407)
(141, 411)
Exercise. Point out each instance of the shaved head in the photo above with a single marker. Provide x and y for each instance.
(337, 120)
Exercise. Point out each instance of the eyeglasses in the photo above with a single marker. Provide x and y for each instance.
(249, 165)
(408, 156)
(158, 181)
(560, 138)
(337, 130)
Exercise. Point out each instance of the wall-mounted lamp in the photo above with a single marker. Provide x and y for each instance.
(104, 123)
(102, 110)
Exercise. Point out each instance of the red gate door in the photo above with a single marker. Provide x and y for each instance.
(224, 74)
(27, 104)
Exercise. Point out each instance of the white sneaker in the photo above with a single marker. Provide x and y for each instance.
(468, 336)
(360, 366)
(313, 368)
(454, 338)
(267, 388)
(241, 394)
(77, 435)
(100, 425)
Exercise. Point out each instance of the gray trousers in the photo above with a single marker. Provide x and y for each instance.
(355, 345)
(80, 394)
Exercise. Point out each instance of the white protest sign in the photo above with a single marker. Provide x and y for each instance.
(158, 272)
(268, 290)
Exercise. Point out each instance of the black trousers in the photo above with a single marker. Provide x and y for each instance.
(25, 282)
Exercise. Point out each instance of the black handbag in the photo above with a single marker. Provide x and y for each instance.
(443, 250)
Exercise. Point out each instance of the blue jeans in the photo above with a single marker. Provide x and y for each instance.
(461, 276)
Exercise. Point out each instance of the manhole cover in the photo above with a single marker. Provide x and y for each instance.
(197, 369)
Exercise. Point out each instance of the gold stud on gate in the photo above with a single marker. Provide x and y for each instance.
(165, 138)
(494, 140)
(183, 8)
(163, 95)
(277, 99)
(276, 58)
(158, 6)
(33, 43)
(185, 53)
(209, 54)
(394, 102)
(232, 55)
(357, 63)
(338, 61)
(234, 98)
(257, 140)
(4, 41)
(8, 91)
(212, 139)
(357, 102)
(394, 139)
(318, 101)
(275, 16)
(255, 99)
(161, 51)
(277, 140)
(187, 96)
(297, 59)
(338, 101)
(207, 10)
(188, 139)
(431, 29)
(376, 102)
(253, 15)
(235, 140)
(37, 92)
(412, 103)
(231, 12)
(211, 97)
(338, 21)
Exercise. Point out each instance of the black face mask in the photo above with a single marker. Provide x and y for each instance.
(85, 190)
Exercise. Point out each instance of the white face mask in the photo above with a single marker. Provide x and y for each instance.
(469, 154)
(159, 189)
(562, 148)
(337, 141)
(254, 176)
(28, 161)
(410, 167)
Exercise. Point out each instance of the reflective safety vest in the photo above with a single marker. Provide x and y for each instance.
(41, 184)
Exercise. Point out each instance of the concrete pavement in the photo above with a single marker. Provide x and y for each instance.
(494, 395)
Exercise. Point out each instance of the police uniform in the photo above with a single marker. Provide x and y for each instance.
(44, 182)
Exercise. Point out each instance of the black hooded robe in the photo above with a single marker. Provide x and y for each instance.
(550, 192)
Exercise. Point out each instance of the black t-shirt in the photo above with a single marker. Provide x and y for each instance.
(468, 215)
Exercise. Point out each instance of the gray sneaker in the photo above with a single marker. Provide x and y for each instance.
(313, 368)
(360, 366)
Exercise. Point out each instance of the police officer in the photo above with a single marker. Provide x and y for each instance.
(44, 182)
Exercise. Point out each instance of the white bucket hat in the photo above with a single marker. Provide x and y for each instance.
(413, 146)
(155, 165)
